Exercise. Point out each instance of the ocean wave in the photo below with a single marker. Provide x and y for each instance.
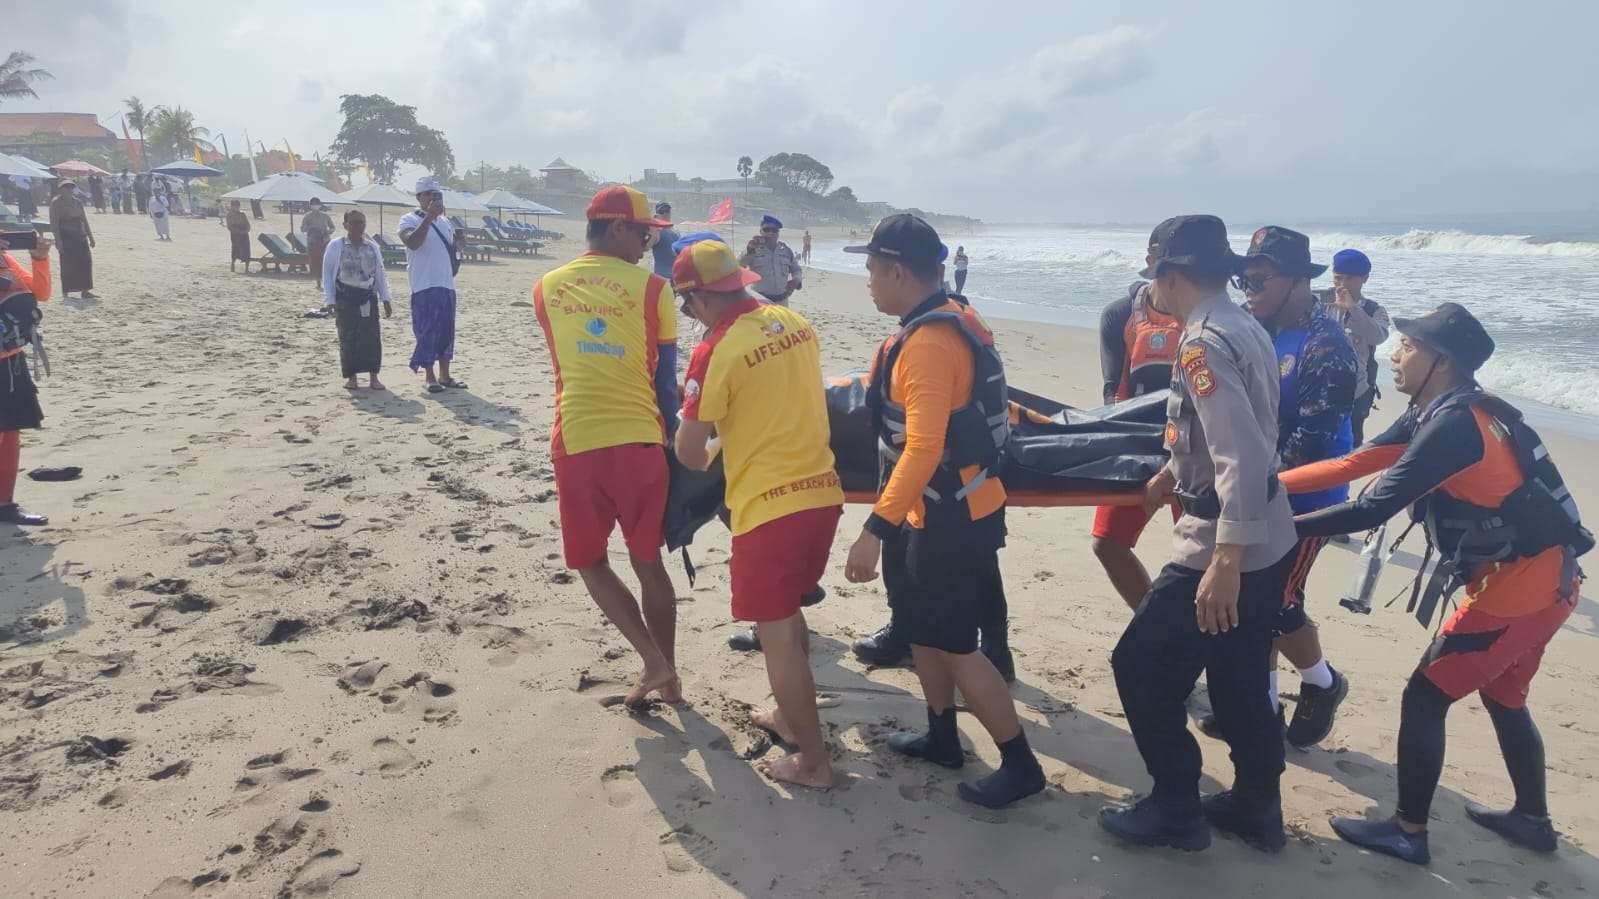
(1418, 240)
(1534, 377)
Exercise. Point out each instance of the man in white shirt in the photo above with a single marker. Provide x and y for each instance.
(432, 255)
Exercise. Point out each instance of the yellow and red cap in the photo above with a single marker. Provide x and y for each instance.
(710, 265)
(620, 203)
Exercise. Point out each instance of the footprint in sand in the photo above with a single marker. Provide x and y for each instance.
(621, 785)
(1355, 769)
(362, 675)
(393, 759)
(680, 846)
(320, 872)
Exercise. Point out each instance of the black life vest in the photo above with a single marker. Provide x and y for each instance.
(1539, 515)
(977, 432)
(19, 316)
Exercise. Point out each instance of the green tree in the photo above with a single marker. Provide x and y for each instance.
(794, 172)
(746, 165)
(845, 205)
(16, 79)
(699, 184)
(138, 119)
(382, 134)
(174, 134)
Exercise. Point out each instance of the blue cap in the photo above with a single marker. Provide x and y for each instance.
(692, 238)
(1351, 262)
(770, 220)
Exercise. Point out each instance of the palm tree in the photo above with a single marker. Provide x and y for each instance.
(174, 132)
(15, 77)
(746, 165)
(138, 119)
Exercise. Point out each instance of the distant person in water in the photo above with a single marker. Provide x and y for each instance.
(805, 248)
(961, 262)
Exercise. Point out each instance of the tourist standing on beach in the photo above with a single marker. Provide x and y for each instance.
(160, 208)
(1316, 369)
(940, 520)
(661, 241)
(353, 283)
(1138, 340)
(317, 226)
(1212, 607)
(22, 289)
(1365, 323)
(961, 264)
(432, 257)
(114, 189)
(1506, 529)
(74, 241)
(805, 248)
(611, 329)
(97, 193)
(769, 417)
(773, 260)
(238, 225)
(141, 192)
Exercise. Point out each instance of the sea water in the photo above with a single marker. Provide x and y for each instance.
(1537, 295)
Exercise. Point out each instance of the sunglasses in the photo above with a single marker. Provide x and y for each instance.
(1255, 284)
(768, 230)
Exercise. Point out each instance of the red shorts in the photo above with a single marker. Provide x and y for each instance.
(1122, 525)
(602, 488)
(1498, 656)
(777, 563)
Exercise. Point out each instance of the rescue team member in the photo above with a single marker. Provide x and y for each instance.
(1212, 607)
(1316, 368)
(22, 289)
(938, 395)
(757, 378)
(612, 333)
(1505, 527)
(1365, 322)
(1138, 338)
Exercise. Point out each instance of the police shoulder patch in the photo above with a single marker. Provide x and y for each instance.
(1193, 354)
(1203, 380)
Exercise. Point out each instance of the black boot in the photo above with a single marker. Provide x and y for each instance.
(1537, 834)
(1314, 713)
(941, 744)
(883, 648)
(1018, 777)
(1152, 822)
(11, 513)
(745, 641)
(1258, 822)
(1386, 837)
(817, 594)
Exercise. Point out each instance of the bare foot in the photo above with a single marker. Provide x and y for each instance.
(351, 385)
(649, 682)
(672, 693)
(375, 384)
(795, 768)
(772, 720)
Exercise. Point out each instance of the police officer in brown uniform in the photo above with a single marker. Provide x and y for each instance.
(1213, 607)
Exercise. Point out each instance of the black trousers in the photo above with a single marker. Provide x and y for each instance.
(1158, 660)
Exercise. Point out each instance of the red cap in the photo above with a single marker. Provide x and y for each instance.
(624, 204)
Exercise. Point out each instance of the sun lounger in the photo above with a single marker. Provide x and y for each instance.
(512, 244)
(393, 253)
(280, 257)
(296, 244)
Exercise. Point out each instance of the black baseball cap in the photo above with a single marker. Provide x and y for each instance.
(1286, 248)
(1451, 329)
(904, 237)
(1190, 241)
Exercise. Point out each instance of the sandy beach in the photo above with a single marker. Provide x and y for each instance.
(287, 639)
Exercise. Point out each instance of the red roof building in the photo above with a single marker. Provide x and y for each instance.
(57, 130)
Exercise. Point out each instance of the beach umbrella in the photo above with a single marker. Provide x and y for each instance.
(186, 169)
(461, 201)
(286, 187)
(77, 168)
(23, 167)
(379, 195)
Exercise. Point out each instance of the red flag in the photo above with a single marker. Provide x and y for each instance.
(130, 147)
(722, 212)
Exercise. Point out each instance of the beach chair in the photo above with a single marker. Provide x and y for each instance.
(476, 252)
(296, 244)
(393, 253)
(511, 244)
(280, 257)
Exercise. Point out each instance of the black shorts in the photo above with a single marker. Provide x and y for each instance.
(939, 592)
(1292, 616)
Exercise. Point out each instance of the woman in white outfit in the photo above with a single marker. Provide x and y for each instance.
(353, 283)
(161, 214)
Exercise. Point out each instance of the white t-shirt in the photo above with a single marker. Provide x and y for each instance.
(429, 266)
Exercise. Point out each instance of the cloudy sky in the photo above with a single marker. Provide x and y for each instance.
(1059, 111)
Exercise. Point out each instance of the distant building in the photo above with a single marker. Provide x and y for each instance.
(562, 176)
(53, 135)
